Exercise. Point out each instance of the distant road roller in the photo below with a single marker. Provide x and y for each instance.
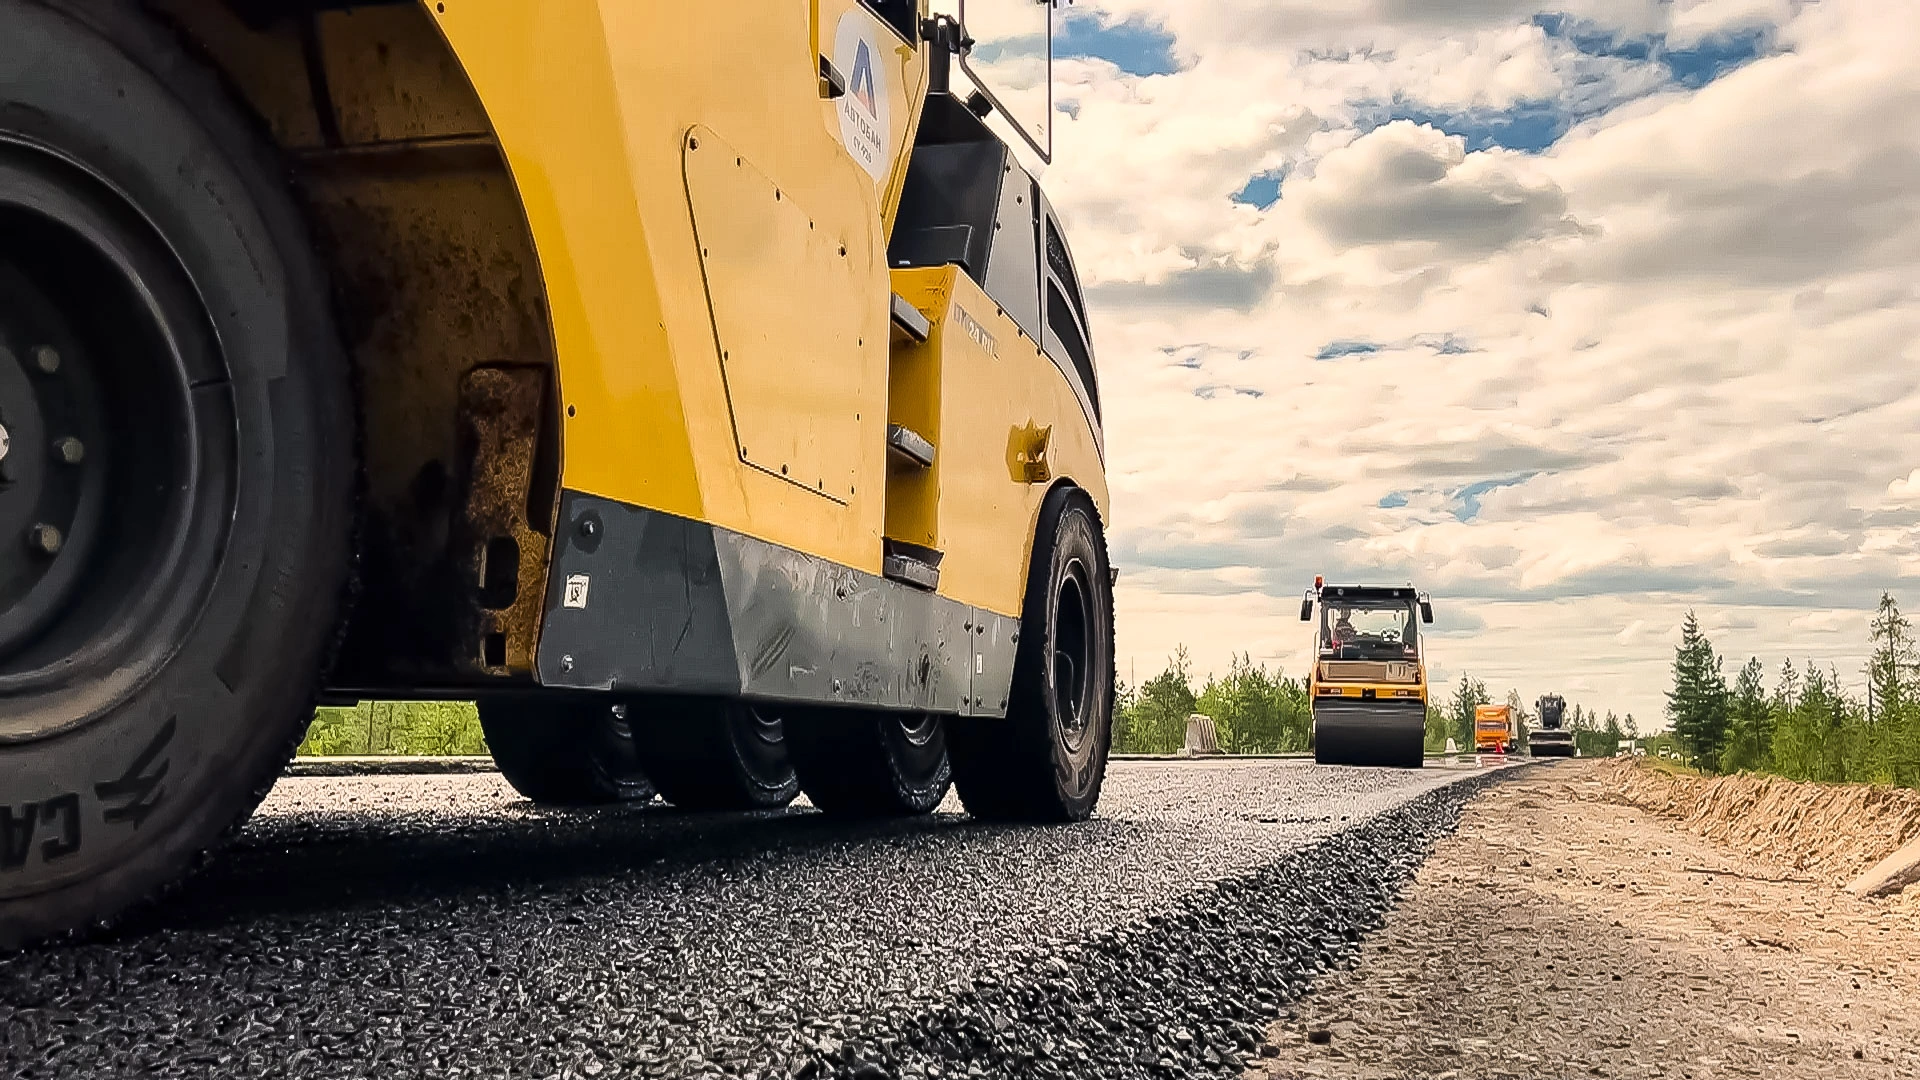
(706, 392)
(1550, 737)
(1369, 677)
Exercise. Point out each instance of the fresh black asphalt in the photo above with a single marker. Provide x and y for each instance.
(439, 926)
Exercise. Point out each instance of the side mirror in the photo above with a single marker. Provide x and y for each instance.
(1426, 611)
(1306, 610)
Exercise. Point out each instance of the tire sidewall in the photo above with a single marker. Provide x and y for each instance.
(211, 727)
(1075, 534)
(922, 772)
(765, 775)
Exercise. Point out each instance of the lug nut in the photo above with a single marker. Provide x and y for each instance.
(45, 539)
(71, 450)
(47, 359)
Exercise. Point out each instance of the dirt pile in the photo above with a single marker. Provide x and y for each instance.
(1832, 832)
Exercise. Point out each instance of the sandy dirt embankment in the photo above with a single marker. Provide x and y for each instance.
(1602, 919)
(1831, 832)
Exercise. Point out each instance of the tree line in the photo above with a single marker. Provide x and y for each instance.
(423, 728)
(1807, 726)
(1262, 711)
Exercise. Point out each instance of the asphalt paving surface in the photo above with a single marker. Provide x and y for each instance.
(442, 926)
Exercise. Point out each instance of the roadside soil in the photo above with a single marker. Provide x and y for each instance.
(1563, 931)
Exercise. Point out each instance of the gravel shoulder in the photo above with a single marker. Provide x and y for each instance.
(1562, 932)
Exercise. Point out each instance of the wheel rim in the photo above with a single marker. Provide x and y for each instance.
(919, 729)
(763, 726)
(1073, 662)
(615, 757)
(119, 469)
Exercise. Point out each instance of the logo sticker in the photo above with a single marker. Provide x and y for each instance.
(866, 112)
(576, 596)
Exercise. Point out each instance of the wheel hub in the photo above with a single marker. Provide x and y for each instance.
(117, 483)
(51, 454)
(1072, 662)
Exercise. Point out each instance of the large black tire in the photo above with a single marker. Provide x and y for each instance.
(717, 755)
(160, 651)
(571, 752)
(1048, 759)
(870, 764)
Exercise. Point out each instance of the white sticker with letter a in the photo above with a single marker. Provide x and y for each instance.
(866, 113)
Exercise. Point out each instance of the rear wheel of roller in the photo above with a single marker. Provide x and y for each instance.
(718, 755)
(871, 764)
(570, 752)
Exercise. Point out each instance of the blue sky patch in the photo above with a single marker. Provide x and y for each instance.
(1334, 350)
(1214, 390)
(1692, 67)
(1529, 126)
(1709, 60)
(1135, 47)
(1262, 191)
(1534, 126)
(1447, 345)
(1441, 344)
(1466, 500)
(1393, 500)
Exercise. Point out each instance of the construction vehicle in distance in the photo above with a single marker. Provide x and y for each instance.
(1495, 729)
(1549, 737)
(706, 393)
(1368, 683)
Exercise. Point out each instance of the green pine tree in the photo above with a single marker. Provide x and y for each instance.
(1890, 673)
(1697, 704)
(1750, 722)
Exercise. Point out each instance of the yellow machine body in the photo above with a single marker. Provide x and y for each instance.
(1384, 680)
(625, 267)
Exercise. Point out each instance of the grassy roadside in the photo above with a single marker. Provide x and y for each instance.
(396, 728)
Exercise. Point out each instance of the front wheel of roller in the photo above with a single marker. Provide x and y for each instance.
(176, 466)
(871, 764)
(565, 753)
(1047, 760)
(1341, 740)
(717, 755)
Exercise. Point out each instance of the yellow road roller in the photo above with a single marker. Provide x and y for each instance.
(1368, 682)
(705, 390)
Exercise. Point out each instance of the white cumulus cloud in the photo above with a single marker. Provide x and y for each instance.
(1574, 314)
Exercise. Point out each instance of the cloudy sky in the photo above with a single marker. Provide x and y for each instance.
(1575, 314)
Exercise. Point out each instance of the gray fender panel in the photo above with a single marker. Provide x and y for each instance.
(640, 601)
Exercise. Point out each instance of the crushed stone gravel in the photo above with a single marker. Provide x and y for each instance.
(440, 926)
